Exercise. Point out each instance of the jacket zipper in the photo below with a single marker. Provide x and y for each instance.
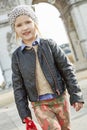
(35, 73)
(52, 75)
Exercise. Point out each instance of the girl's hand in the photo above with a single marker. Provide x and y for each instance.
(27, 118)
(77, 106)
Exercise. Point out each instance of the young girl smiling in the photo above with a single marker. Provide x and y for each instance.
(42, 74)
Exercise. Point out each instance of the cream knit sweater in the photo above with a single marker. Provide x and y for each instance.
(43, 87)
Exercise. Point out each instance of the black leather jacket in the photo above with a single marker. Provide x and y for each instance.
(56, 68)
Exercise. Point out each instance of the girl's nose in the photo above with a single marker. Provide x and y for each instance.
(24, 27)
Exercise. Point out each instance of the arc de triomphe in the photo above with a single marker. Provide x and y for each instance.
(74, 16)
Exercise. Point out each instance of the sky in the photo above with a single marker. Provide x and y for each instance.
(50, 23)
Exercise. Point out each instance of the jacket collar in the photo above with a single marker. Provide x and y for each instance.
(23, 45)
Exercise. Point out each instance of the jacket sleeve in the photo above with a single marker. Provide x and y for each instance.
(67, 72)
(20, 93)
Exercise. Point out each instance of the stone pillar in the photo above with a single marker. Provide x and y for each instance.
(76, 29)
(7, 42)
(79, 15)
(5, 59)
(73, 36)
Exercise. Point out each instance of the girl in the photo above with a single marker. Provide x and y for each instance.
(41, 74)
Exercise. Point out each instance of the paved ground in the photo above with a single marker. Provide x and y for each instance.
(9, 119)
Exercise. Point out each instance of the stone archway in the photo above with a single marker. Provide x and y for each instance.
(65, 9)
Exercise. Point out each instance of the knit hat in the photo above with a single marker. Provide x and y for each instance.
(22, 10)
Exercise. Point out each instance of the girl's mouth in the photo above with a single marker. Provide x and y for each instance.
(26, 33)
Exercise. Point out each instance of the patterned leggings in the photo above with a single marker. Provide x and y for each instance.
(53, 114)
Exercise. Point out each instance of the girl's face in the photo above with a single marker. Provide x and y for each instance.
(25, 29)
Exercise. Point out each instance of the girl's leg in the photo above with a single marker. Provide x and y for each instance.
(46, 118)
(62, 111)
(53, 114)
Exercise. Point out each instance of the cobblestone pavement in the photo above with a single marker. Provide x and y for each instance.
(9, 118)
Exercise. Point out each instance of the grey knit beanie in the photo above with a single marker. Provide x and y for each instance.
(22, 10)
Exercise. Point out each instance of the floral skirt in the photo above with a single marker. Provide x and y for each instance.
(53, 114)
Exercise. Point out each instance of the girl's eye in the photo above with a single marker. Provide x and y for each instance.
(18, 25)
